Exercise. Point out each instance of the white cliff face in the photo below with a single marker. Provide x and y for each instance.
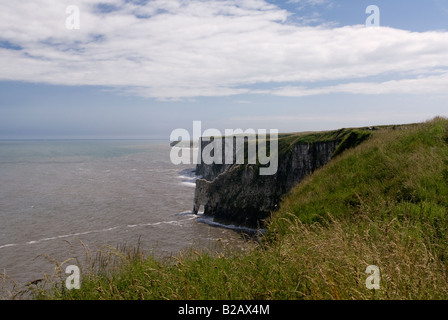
(238, 194)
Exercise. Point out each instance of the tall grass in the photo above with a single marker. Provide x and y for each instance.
(382, 203)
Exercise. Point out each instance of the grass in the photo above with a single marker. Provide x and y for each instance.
(349, 138)
(383, 202)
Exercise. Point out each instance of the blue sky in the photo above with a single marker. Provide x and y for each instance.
(140, 69)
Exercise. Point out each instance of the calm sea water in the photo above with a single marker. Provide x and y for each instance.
(56, 194)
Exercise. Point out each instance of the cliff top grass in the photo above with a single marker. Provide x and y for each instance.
(383, 202)
(349, 138)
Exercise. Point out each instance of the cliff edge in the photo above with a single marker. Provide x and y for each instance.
(238, 194)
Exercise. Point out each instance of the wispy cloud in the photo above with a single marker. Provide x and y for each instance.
(434, 84)
(335, 120)
(184, 49)
(311, 3)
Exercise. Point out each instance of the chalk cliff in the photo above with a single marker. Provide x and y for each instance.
(238, 194)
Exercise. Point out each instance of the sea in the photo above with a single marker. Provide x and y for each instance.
(61, 200)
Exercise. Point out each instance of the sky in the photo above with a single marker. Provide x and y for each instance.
(141, 69)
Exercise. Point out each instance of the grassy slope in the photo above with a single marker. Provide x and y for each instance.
(382, 203)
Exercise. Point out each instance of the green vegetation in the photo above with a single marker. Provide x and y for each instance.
(351, 140)
(383, 202)
(348, 138)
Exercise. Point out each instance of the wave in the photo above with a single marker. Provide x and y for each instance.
(8, 245)
(189, 215)
(172, 222)
(210, 221)
(186, 213)
(189, 177)
(70, 235)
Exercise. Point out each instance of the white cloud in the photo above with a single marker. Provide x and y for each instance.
(186, 49)
(435, 84)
